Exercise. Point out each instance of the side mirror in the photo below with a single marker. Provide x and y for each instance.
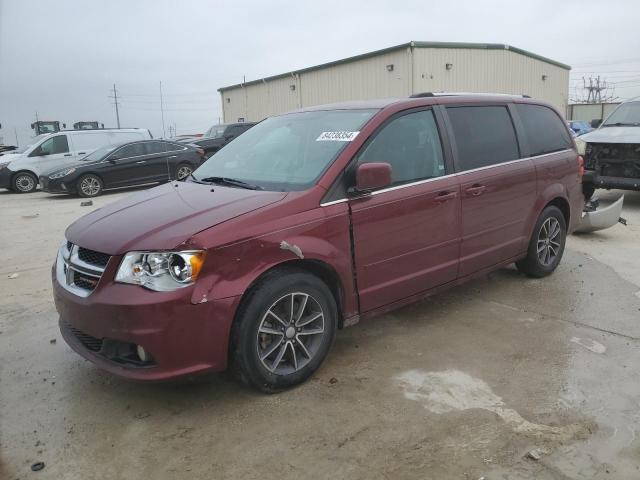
(370, 176)
(38, 152)
(595, 123)
(113, 159)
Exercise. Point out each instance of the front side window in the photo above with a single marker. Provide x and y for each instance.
(288, 152)
(411, 145)
(132, 150)
(626, 115)
(57, 144)
(217, 131)
(545, 131)
(484, 136)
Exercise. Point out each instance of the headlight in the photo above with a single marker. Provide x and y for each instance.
(582, 146)
(63, 173)
(161, 271)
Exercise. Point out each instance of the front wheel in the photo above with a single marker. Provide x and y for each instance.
(284, 330)
(24, 182)
(546, 245)
(89, 185)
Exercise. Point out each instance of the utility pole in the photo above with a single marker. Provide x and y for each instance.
(115, 102)
(15, 132)
(162, 111)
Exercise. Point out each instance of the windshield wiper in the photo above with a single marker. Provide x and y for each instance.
(234, 182)
(621, 124)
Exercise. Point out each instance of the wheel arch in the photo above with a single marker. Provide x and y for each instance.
(320, 269)
(563, 205)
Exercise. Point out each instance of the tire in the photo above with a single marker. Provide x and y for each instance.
(588, 189)
(89, 185)
(551, 245)
(269, 344)
(24, 182)
(183, 170)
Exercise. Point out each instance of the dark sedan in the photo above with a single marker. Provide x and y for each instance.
(125, 165)
(218, 136)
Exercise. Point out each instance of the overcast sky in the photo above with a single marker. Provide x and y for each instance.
(61, 58)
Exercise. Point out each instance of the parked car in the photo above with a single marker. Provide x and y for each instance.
(7, 148)
(579, 127)
(219, 135)
(126, 165)
(612, 151)
(312, 221)
(20, 169)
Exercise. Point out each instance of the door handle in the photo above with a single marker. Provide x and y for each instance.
(476, 189)
(141, 161)
(445, 196)
(67, 154)
(173, 156)
(82, 153)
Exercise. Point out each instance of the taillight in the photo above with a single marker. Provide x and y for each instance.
(200, 152)
(580, 166)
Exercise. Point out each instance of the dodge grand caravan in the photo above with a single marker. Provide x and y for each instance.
(312, 221)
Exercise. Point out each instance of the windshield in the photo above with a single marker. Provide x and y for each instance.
(33, 142)
(626, 114)
(100, 153)
(288, 152)
(215, 132)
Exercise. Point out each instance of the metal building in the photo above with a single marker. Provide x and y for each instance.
(590, 111)
(399, 72)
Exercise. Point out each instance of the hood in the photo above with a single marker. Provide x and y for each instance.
(613, 135)
(164, 217)
(10, 157)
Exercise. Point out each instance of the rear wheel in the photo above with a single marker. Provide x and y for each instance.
(546, 245)
(24, 182)
(284, 330)
(183, 171)
(89, 185)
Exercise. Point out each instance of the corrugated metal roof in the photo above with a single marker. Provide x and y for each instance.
(461, 45)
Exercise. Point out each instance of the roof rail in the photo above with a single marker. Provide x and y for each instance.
(470, 94)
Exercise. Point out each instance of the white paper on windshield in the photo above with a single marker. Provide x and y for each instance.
(341, 136)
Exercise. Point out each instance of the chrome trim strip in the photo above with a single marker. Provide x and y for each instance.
(420, 182)
(68, 262)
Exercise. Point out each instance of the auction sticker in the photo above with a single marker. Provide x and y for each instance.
(337, 136)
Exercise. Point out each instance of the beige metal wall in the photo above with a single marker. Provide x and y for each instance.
(423, 70)
(495, 71)
(590, 111)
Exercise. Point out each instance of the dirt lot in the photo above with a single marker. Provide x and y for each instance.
(457, 387)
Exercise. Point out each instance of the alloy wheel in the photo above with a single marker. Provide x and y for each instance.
(290, 333)
(183, 172)
(90, 186)
(548, 241)
(24, 183)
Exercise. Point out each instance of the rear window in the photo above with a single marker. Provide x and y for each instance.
(484, 136)
(545, 131)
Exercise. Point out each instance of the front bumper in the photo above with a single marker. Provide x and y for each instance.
(56, 185)
(602, 181)
(5, 177)
(183, 338)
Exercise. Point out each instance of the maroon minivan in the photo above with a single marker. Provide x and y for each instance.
(310, 222)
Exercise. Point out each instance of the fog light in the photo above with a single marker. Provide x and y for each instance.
(142, 354)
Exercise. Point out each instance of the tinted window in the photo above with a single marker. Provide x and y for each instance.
(483, 136)
(156, 147)
(171, 147)
(411, 145)
(544, 129)
(58, 144)
(132, 150)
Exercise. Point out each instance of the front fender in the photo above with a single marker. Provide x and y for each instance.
(232, 269)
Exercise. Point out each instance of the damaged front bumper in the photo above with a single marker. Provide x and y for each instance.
(594, 218)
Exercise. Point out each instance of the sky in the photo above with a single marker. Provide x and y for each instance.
(61, 59)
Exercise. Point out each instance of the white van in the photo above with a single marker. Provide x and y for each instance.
(20, 169)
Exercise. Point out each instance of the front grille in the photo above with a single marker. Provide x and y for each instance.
(92, 257)
(84, 281)
(79, 269)
(91, 343)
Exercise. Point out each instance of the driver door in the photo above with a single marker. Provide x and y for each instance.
(52, 154)
(406, 236)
